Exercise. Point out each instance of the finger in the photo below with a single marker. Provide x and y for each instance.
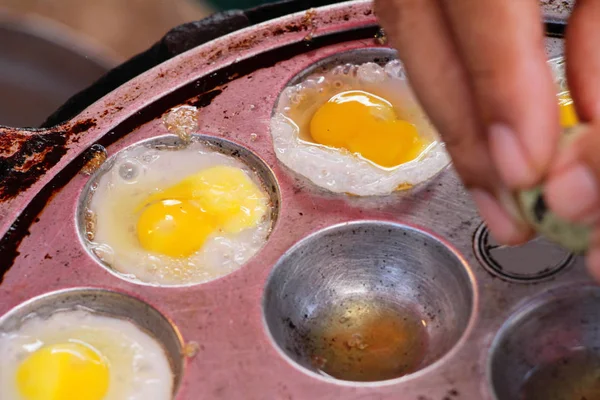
(593, 264)
(440, 83)
(592, 259)
(571, 189)
(583, 59)
(502, 46)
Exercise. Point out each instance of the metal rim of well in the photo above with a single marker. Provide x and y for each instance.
(419, 374)
(522, 311)
(487, 261)
(99, 291)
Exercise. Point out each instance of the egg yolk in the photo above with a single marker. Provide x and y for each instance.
(65, 371)
(174, 227)
(178, 220)
(568, 116)
(366, 124)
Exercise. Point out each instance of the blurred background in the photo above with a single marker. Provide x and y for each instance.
(51, 49)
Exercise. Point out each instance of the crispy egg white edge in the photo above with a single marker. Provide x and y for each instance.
(131, 261)
(338, 170)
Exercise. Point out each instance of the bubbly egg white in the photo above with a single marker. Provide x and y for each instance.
(338, 170)
(138, 366)
(135, 174)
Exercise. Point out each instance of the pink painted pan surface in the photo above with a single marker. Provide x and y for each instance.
(237, 359)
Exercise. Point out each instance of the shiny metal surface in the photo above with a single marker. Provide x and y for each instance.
(235, 81)
(110, 304)
(557, 9)
(371, 263)
(548, 329)
(532, 262)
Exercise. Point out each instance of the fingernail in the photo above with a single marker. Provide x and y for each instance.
(510, 157)
(573, 193)
(504, 228)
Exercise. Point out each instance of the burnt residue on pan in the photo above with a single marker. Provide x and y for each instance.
(28, 155)
(204, 99)
(209, 88)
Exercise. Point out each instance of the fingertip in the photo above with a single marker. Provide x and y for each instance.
(511, 160)
(583, 61)
(504, 227)
(573, 193)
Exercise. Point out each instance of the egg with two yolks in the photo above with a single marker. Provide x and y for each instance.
(357, 129)
(175, 217)
(80, 355)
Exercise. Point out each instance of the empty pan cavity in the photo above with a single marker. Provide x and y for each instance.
(368, 302)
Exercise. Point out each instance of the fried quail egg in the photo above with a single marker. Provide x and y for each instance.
(83, 356)
(177, 216)
(357, 129)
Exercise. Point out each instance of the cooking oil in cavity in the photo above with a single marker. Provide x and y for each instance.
(573, 377)
(369, 341)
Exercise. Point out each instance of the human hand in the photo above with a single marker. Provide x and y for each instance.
(479, 69)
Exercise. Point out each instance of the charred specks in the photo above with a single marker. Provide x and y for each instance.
(205, 98)
(215, 56)
(81, 126)
(291, 324)
(540, 208)
(55, 142)
(286, 29)
(25, 156)
(305, 24)
(10, 242)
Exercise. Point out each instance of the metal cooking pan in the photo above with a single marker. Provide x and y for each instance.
(238, 336)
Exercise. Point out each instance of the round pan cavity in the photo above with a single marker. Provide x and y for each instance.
(352, 164)
(534, 261)
(107, 303)
(173, 143)
(550, 348)
(337, 302)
